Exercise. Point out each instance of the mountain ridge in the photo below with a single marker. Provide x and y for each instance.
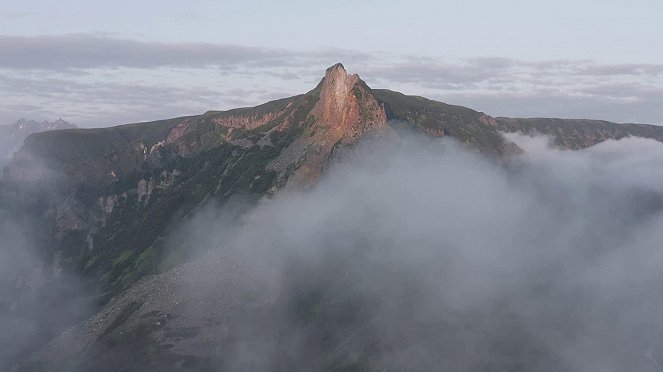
(113, 194)
(155, 171)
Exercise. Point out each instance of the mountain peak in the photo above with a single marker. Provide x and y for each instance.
(347, 103)
(344, 111)
(30, 125)
(337, 68)
(337, 86)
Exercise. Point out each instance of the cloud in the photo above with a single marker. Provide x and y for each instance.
(622, 69)
(60, 73)
(85, 51)
(38, 299)
(90, 51)
(627, 106)
(506, 87)
(415, 254)
(90, 102)
(9, 16)
(433, 74)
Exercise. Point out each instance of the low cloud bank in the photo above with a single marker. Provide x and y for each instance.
(410, 254)
(38, 300)
(418, 255)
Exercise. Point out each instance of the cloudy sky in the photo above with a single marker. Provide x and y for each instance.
(103, 63)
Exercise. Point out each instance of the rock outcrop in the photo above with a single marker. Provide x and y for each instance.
(347, 107)
(345, 111)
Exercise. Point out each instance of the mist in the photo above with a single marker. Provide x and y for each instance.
(38, 299)
(409, 254)
(416, 254)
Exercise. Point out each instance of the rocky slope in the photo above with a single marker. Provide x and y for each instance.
(12, 136)
(112, 194)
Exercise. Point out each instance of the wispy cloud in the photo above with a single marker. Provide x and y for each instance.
(98, 79)
(16, 15)
(81, 51)
(509, 87)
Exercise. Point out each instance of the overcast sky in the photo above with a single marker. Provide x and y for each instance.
(102, 63)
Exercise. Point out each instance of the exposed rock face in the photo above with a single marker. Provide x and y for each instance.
(176, 133)
(346, 110)
(435, 132)
(488, 120)
(348, 106)
(246, 122)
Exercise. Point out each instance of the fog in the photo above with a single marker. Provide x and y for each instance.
(416, 254)
(38, 299)
(409, 254)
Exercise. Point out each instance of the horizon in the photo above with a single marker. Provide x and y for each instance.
(60, 118)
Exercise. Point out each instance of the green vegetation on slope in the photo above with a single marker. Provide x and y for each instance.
(439, 118)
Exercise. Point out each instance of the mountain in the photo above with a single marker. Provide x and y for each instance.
(114, 191)
(107, 198)
(12, 136)
(121, 187)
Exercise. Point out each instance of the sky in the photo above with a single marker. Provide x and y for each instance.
(105, 63)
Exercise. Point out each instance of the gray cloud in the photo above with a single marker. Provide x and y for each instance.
(622, 69)
(608, 103)
(84, 51)
(505, 87)
(440, 76)
(89, 51)
(550, 263)
(14, 15)
(100, 80)
(480, 72)
(38, 299)
(108, 103)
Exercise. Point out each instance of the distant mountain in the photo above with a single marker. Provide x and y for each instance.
(575, 134)
(12, 136)
(113, 193)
